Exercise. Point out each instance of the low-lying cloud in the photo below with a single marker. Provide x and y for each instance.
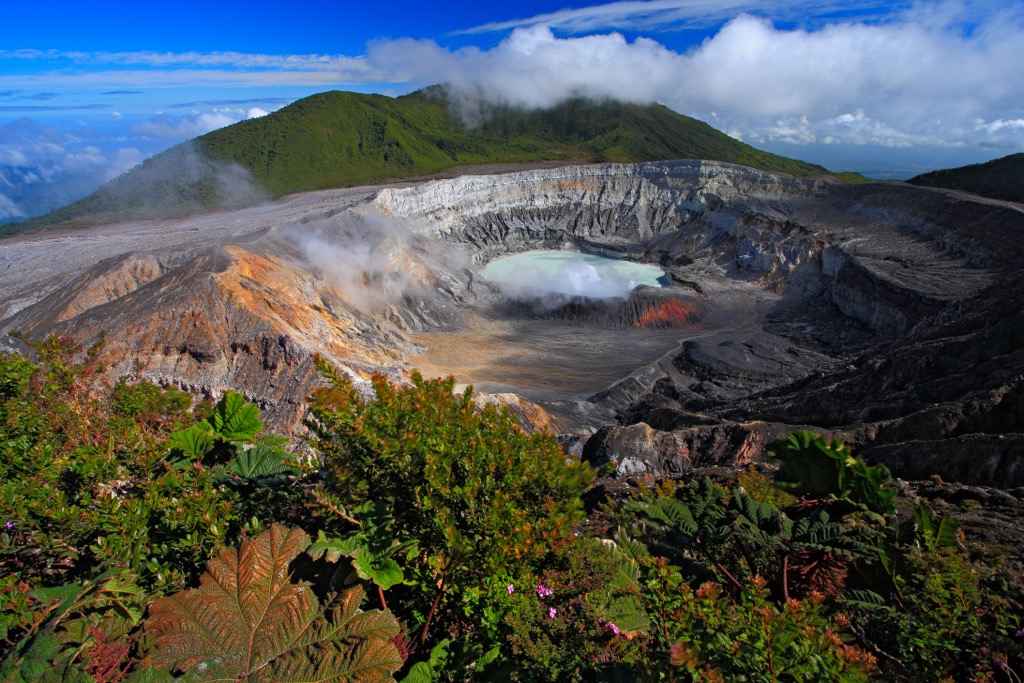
(933, 76)
(194, 124)
(42, 168)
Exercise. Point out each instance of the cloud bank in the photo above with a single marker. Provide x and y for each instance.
(931, 76)
(42, 168)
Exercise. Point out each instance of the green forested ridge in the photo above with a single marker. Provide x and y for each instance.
(144, 539)
(1001, 178)
(340, 139)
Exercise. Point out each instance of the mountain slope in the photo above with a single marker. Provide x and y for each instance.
(1001, 178)
(338, 139)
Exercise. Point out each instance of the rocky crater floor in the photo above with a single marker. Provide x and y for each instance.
(887, 314)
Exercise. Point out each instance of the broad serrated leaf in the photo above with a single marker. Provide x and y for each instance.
(420, 672)
(234, 419)
(333, 549)
(625, 612)
(429, 671)
(249, 621)
(193, 442)
(262, 461)
(382, 571)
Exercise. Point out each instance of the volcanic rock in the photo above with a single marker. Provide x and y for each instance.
(887, 314)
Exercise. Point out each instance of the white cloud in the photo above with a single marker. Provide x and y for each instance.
(184, 127)
(923, 78)
(256, 112)
(42, 168)
(234, 60)
(651, 15)
(533, 68)
(9, 210)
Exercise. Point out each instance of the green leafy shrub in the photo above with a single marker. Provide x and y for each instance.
(148, 403)
(731, 537)
(477, 494)
(578, 618)
(89, 481)
(753, 639)
(81, 634)
(815, 467)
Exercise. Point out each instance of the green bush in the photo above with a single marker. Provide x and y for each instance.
(752, 638)
(464, 526)
(578, 618)
(477, 494)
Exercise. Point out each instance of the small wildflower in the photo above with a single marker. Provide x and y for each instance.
(552, 612)
(1019, 634)
(511, 589)
(8, 525)
(612, 627)
(543, 591)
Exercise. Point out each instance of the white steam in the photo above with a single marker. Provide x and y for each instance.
(561, 275)
(361, 257)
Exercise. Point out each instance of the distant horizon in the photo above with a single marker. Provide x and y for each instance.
(889, 89)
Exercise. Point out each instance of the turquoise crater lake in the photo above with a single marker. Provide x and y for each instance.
(570, 273)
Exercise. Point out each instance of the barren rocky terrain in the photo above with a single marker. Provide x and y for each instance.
(884, 313)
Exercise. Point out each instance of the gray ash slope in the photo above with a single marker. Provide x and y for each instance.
(884, 313)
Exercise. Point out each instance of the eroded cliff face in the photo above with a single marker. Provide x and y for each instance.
(888, 314)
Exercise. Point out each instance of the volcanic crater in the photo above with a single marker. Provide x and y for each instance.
(884, 313)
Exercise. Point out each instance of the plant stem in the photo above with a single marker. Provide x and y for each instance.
(785, 577)
(433, 608)
(739, 586)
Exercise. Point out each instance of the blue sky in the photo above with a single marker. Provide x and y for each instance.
(889, 88)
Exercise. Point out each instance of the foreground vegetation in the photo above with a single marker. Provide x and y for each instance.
(147, 537)
(342, 139)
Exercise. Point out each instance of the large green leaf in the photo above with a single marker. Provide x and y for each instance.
(264, 462)
(819, 468)
(333, 549)
(249, 621)
(193, 442)
(934, 532)
(234, 419)
(383, 571)
(429, 671)
(378, 567)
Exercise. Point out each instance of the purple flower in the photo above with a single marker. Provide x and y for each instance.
(511, 589)
(552, 612)
(1019, 634)
(543, 591)
(8, 525)
(612, 627)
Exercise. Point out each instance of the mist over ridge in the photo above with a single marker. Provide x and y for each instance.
(342, 139)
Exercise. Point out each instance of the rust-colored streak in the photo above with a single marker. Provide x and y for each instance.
(671, 313)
